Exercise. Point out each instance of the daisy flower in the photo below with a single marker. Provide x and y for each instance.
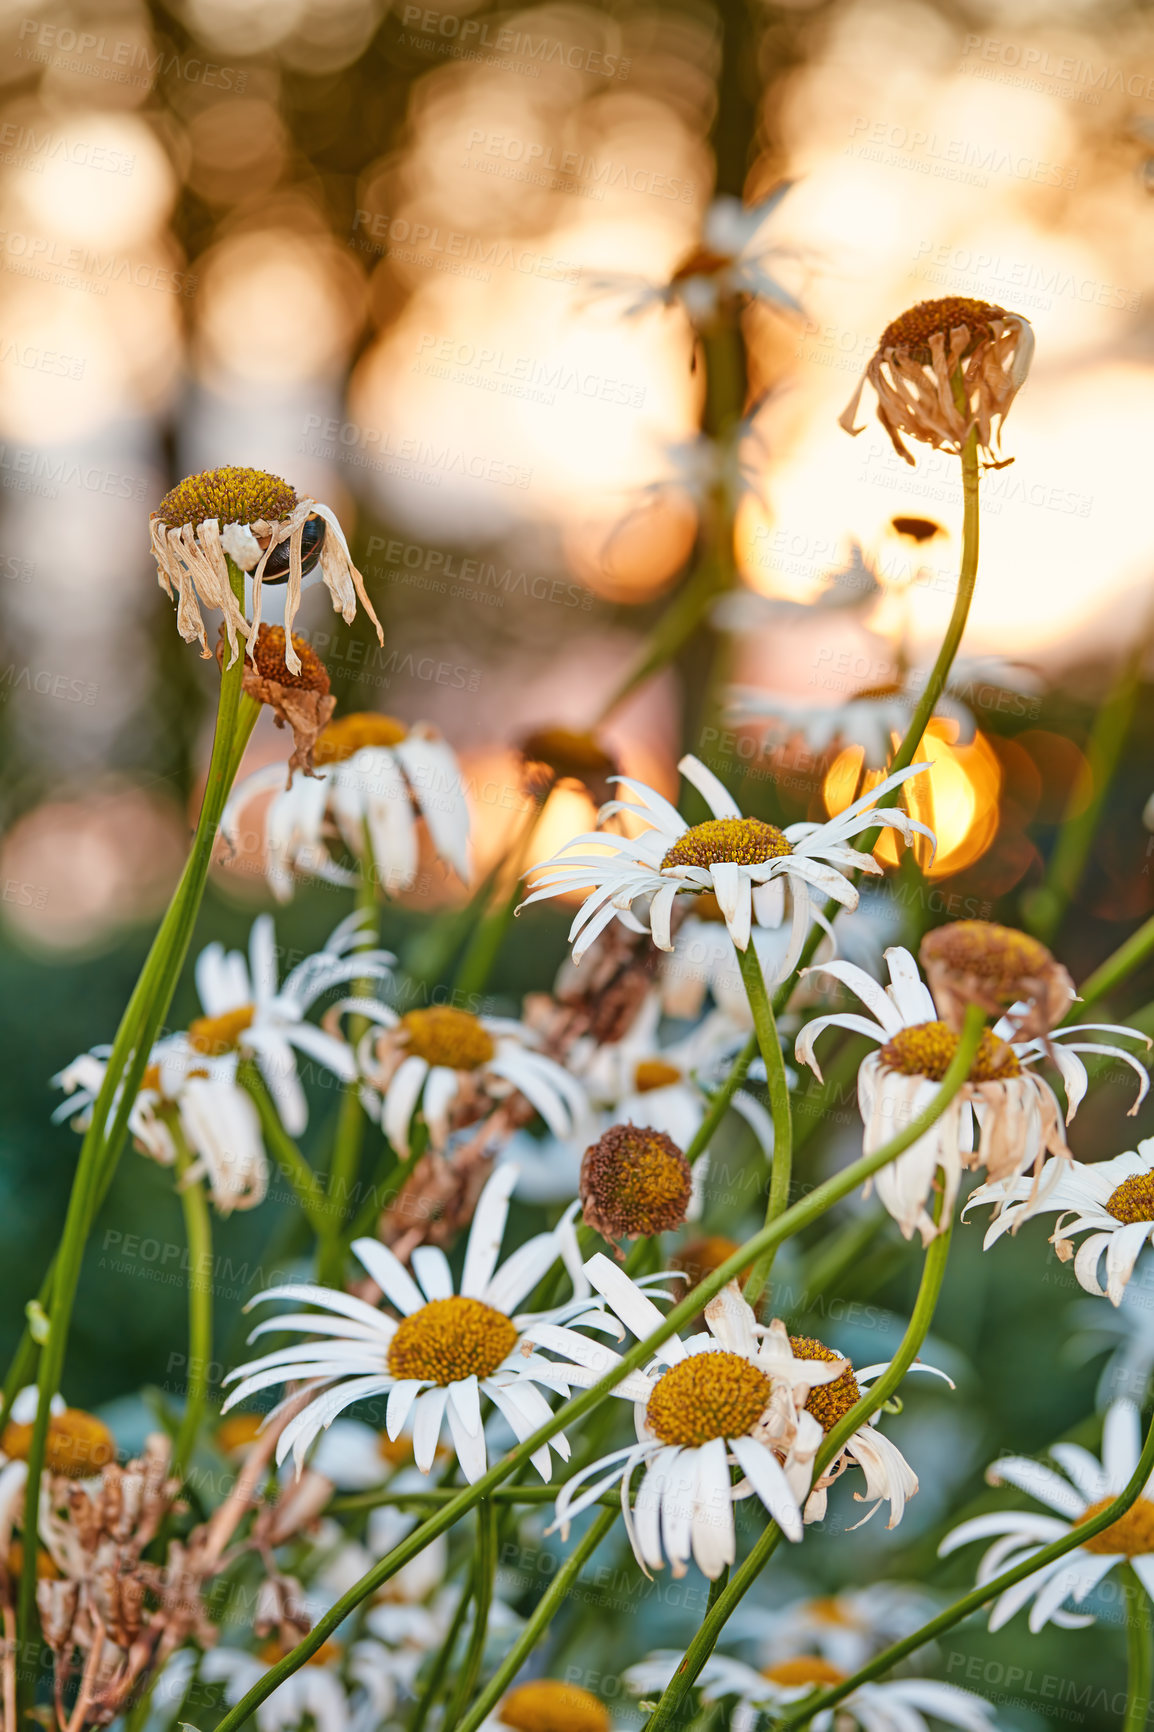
(1087, 1487)
(382, 777)
(913, 367)
(313, 1693)
(82, 1081)
(898, 1705)
(267, 529)
(747, 863)
(734, 1395)
(1112, 1201)
(547, 1705)
(1004, 1116)
(1125, 1332)
(456, 1067)
(847, 1628)
(434, 1363)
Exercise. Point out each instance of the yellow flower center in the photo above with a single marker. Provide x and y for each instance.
(238, 1431)
(1132, 1534)
(913, 329)
(742, 841)
(927, 1049)
(700, 1257)
(654, 1073)
(999, 955)
(268, 658)
(706, 907)
(46, 1570)
(274, 1650)
(828, 1609)
(454, 1039)
(569, 753)
(546, 1706)
(708, 1395)
(634, 1182)
(1133, 1199)
(216, 1035)
(230, 495)
(449, 1339)
(151, 1079)
(348, 734)
(806, 1669)
(829, 1402)
(79, 1444)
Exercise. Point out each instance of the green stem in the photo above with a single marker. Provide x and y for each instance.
(347, 1146)
(198, 1231)
(979, 1597)
(445, 1653)
(489, 934)
(484, 1572)
(432, 1497)
(549, 1606)
(720, 1099)
(781, 1170)
(1121, 963)
(803, 1213)
(703, 1644)
(131, 1048)
(305, 1184)
(1139, 1653)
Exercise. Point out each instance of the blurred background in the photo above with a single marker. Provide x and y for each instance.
(412, 258)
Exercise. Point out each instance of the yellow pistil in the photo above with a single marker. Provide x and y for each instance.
(913, 329)
(238, 1431)
(742, 841)
(449, 1339)
(706, 907)
(274, 1650)
(78, 1445)
(827, 1609)
(828, 1402)
(927, 1049)
(806, 1669)
(634, 1182)
(443, 1035)
(1133, 1199)
(216, 1035)
(348, 734)
(229, 495)
(707, 1395)
(1132, 1534)
(268, 655)
(547, 1706)
(654, 1073)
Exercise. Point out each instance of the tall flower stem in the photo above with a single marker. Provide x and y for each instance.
(803, 1214)
(344, 1168)
(668, 1708)
(198, 1232)
(127, 1062)
(1139, 1653)
(720, 1099)
(781, 1170)
(484, 1573)
(981, 1596)
(489, 934)
(304, 1183)
(548, 1607)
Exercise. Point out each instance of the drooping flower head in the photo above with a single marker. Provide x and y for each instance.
(570, 755)
(635, 1182)
(300, 699)
(266, 528)
(998, 969)
(919, 356)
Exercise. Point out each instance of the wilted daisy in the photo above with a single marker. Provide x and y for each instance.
(897, 1705)
(262, 524)
(1112, 1201)
(1003, 971)
(381, 778)
(1004, 1116)
(455, 1068)
(915, 363)
(447, 1350)
(82, 1081)
(733, 1396)
(1088, 1487)
(745, 862)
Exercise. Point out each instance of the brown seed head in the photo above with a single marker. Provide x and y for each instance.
(979, 962)
(268, 657)
(634, 1182)
(913, 329)
(828, 1402)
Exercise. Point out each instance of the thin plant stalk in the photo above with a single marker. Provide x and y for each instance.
(781, 1170)
(484, 1573)
(720, 1611)
(305, 1184)
(198, 1233)
(440, 1666)
(548, 1607)
(124, 1072)
(803, 1213)
(1139, 1653)
(489, 933)
(344, 1168)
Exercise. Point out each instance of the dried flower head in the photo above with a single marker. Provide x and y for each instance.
(635, 1181)
(261, 524)
(299, 696)
(78, 1444)
(979, 962)
(572, 755)
(944, 368)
